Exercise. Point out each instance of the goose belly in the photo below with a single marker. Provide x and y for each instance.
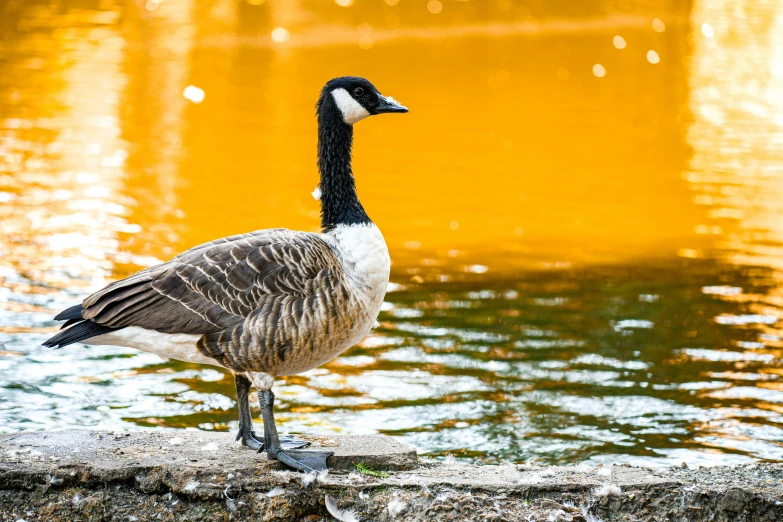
(336, 331)
(181, 347)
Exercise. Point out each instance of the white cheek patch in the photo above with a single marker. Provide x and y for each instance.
(351, 109)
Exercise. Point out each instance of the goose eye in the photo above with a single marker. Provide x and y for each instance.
(358, 91)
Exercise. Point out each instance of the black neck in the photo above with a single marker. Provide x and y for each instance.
(339, 202)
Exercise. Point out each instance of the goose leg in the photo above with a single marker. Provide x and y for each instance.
(246, 433)
(301, 460)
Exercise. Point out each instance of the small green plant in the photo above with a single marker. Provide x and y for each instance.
(362, 468)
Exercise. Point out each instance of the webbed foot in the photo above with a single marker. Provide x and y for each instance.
(276, 447)
(305, 461)
(254, 442)
(249, 439)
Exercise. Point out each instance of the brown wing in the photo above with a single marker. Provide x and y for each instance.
(216, 285)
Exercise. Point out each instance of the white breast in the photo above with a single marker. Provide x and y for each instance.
(366, 264)
(363, 254)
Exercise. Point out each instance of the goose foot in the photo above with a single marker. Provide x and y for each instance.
(249, 439)
(301, 460)
(305, 461)
(289, 442)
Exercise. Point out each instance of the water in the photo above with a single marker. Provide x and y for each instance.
(584, 268)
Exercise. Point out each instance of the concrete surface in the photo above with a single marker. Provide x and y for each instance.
(186, 475)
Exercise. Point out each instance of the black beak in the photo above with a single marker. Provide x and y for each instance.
(389, 104)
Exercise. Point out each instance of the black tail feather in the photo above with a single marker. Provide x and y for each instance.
(69, 322)
(78, 332)
(73, 312)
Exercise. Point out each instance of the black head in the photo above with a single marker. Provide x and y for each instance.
(356, 98)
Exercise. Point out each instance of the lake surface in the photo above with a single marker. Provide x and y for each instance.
(584, 208)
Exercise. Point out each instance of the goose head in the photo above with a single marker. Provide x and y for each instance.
(354, 99)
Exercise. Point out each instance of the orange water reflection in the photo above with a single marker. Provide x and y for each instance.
(736, 99)
(514, 153)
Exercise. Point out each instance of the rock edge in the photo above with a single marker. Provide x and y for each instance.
(187, 475)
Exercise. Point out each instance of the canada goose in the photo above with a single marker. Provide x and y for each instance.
(264, 304)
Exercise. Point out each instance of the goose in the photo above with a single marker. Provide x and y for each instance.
(263, 304)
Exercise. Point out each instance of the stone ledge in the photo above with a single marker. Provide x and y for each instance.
(102, 455)
(186, 475)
